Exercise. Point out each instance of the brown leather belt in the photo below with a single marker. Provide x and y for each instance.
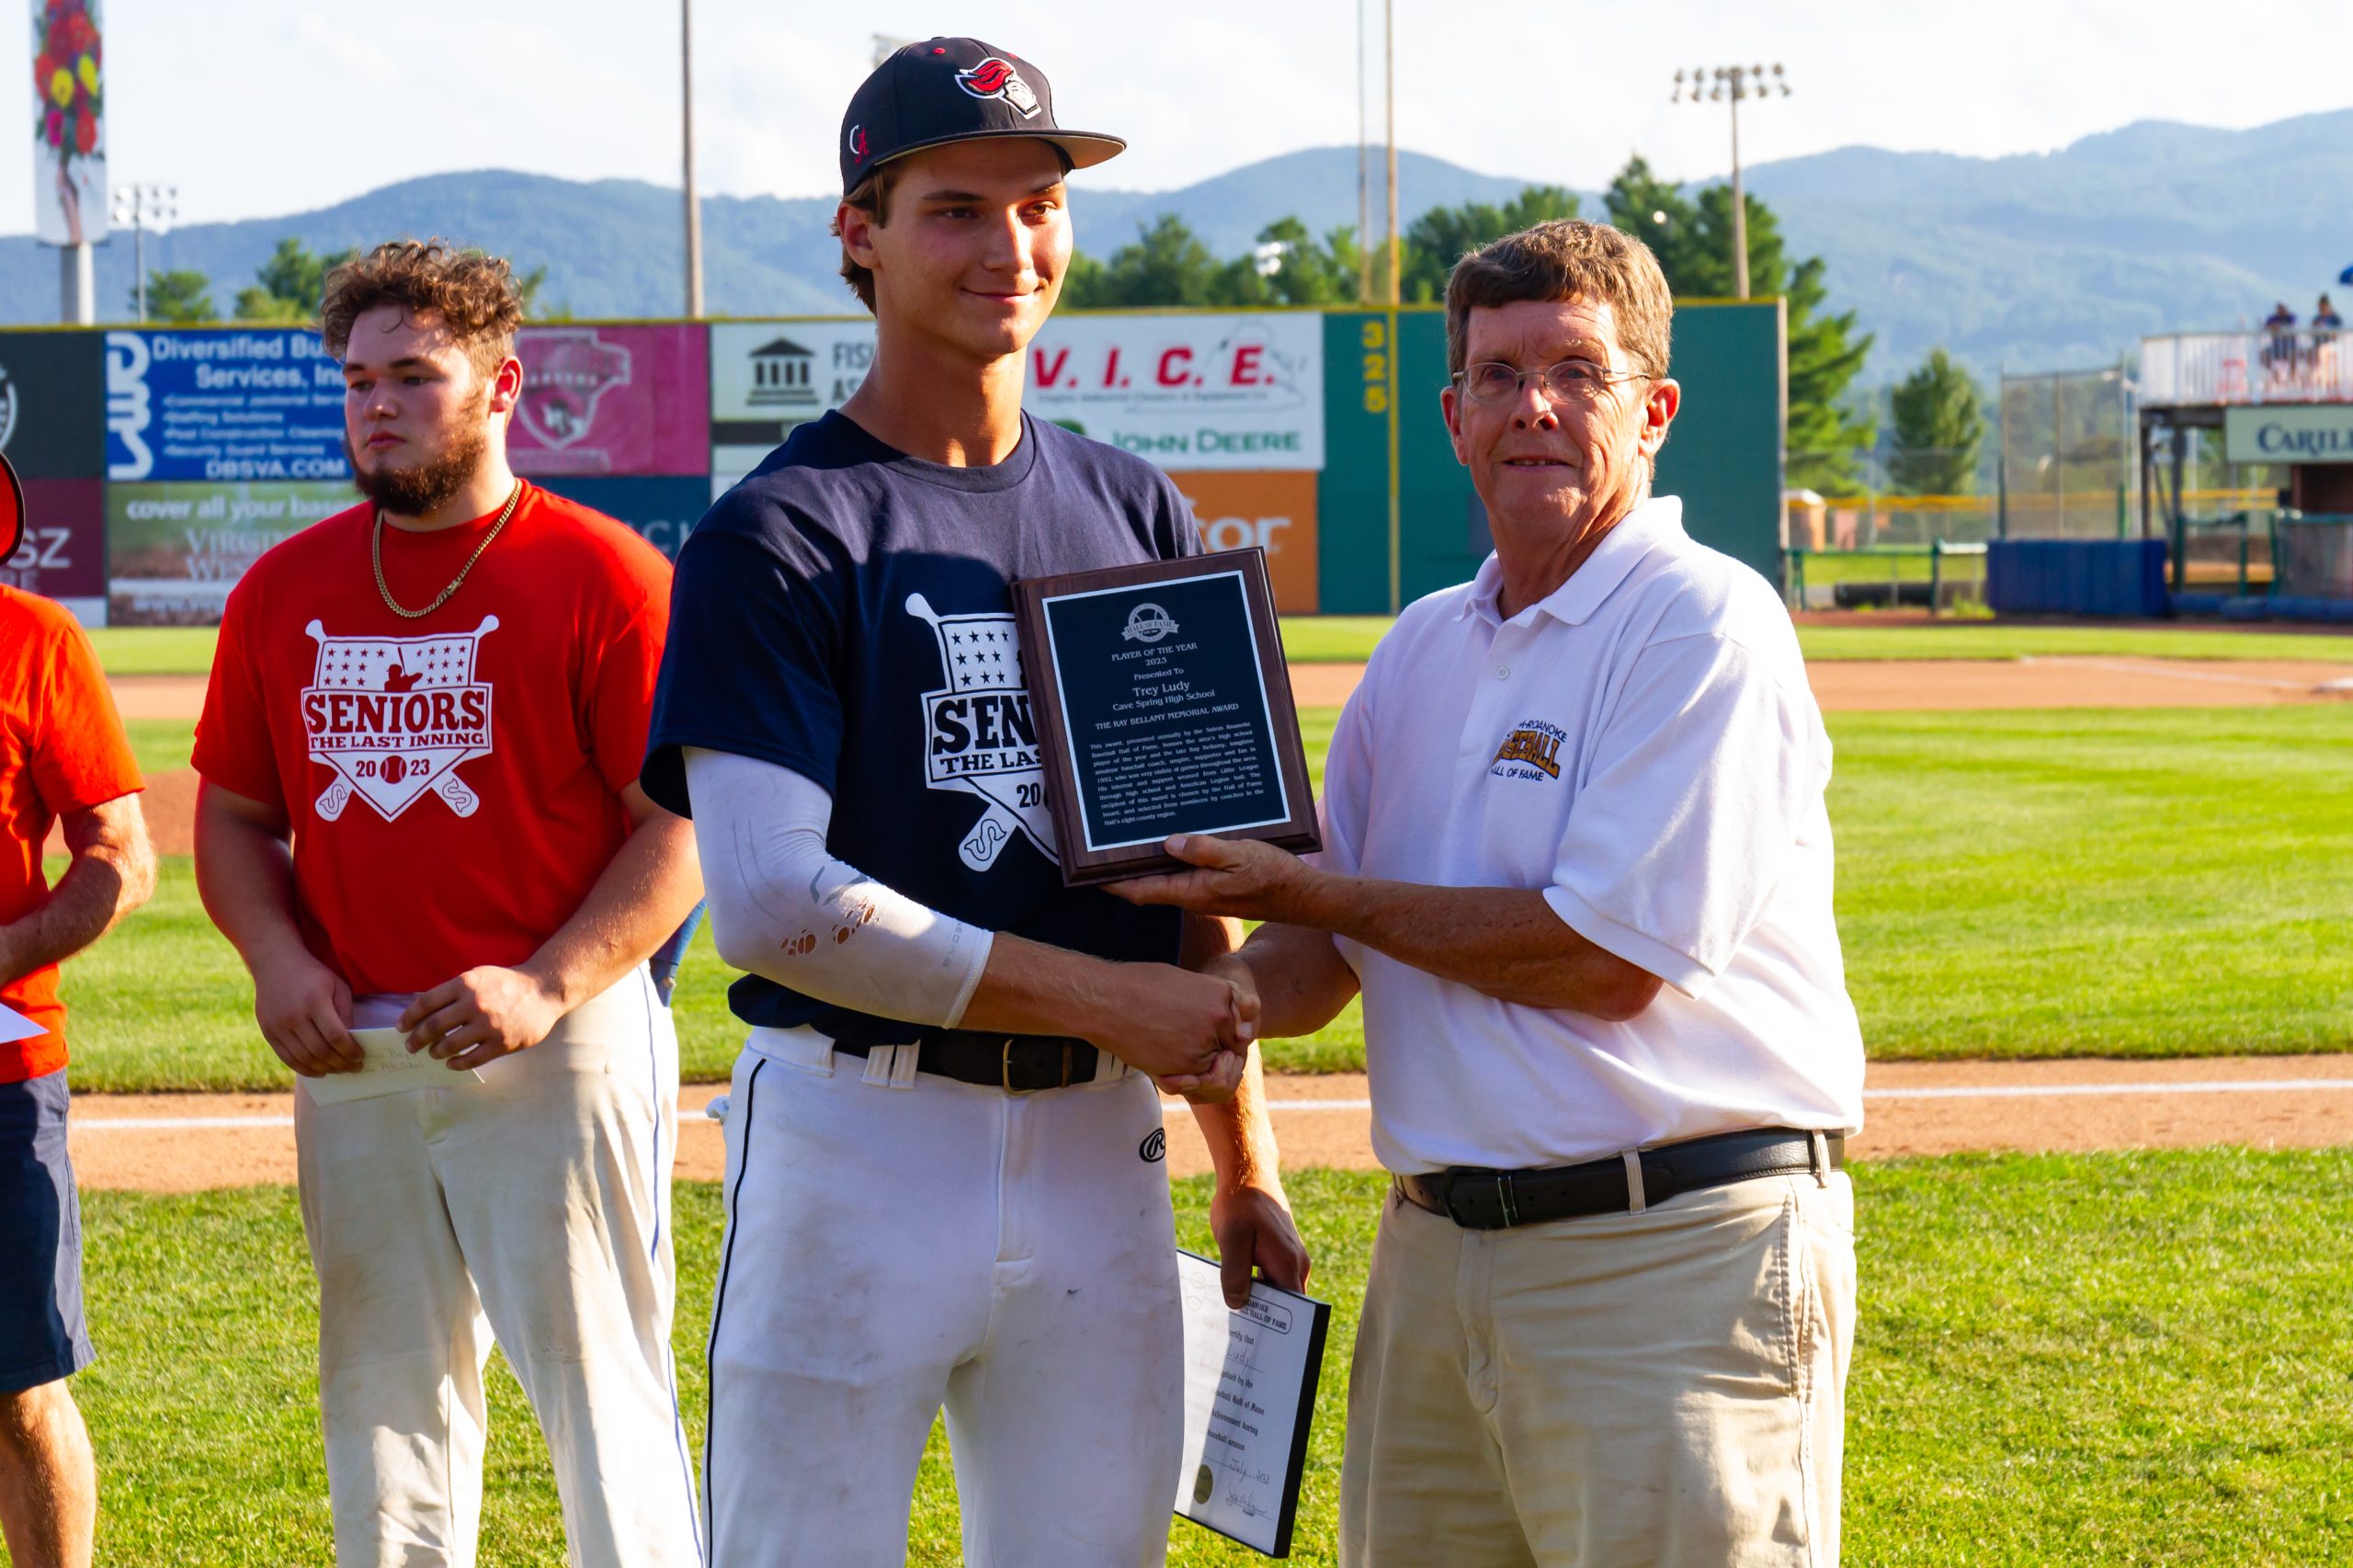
(1479, 1200)
(1019, 1065)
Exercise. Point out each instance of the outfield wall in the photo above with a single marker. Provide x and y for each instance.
(159, 463)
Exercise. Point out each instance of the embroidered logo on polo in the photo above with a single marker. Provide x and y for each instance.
(1530, 751)
(980, 737)
(395, 716)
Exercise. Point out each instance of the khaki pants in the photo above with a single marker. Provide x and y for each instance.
(1624, 1391)
(533, 1204)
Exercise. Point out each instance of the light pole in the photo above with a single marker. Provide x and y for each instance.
(1729, 85)
(144, 207)
(1388, 75)
(1364, 179)
(686, 138)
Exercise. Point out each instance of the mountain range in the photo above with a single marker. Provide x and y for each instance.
(2029, 262)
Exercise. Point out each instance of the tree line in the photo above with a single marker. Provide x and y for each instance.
(1937, 428)
(287, 291)
(1937, 421)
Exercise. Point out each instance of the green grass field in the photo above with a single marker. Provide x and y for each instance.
(2129, 1359)
(155, 650)
(2153, 882)
(1349, 638)
(160, 744)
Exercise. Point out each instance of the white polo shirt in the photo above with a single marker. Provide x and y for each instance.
(1644, 747)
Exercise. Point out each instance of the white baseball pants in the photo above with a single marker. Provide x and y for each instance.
(534, 1206)
(895, 1242)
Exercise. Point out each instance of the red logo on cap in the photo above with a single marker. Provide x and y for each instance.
(996, 78)
(858, 141)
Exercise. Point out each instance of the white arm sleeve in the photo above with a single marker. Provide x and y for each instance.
(783, 909)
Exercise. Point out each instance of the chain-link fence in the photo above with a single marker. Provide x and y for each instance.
(2315, 555)
(2068, 446)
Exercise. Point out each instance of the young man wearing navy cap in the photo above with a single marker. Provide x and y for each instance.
(944, 1149)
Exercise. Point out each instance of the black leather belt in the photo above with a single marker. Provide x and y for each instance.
(1493, 1200)
(1019, 1065)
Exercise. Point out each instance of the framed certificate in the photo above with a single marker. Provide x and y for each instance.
(1250, 1381)
(1163, 706)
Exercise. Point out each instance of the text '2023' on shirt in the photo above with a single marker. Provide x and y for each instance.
(453, 781)
(845, 613)
(61, 749)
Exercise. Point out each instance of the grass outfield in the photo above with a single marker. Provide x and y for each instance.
(1349, 638)
(161, 745)
(155, 650)
(2151, 882)
(2121, 1359)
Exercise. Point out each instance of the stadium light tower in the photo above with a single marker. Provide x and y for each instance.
(144, 207)
(1729, 85)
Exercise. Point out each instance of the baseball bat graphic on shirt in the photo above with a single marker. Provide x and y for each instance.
(395, 716)
(979, 735)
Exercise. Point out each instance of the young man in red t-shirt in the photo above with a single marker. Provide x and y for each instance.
(420, 812)
(63, 757)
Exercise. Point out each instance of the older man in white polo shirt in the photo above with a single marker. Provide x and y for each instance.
(1577, 861)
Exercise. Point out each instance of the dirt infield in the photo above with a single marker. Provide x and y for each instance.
(158, 696)
(186, 1142)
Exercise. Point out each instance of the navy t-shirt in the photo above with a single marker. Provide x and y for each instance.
(844, 612)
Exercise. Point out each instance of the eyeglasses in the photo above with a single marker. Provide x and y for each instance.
(1571, 380)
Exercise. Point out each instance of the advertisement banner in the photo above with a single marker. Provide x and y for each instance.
(52, 403)
(664, 510)
(69, 123)
(767, 377)
(175, 550)
(64, 554)
(611, 400)
(256, 404)
(1241, 390)
(1274, 510)
(2313, 433)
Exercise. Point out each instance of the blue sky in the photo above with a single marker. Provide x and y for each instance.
(255, 107)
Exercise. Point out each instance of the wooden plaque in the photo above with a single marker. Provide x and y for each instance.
(1163, 706)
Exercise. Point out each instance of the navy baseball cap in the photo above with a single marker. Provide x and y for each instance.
(955, 89)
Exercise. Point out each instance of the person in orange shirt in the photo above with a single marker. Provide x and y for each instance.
(63, 757)
(420, 813)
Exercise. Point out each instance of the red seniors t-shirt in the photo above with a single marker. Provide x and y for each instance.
(61, 749)
(453, 782)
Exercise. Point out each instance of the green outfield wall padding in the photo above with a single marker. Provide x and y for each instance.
(1724, 457)
(1352, 496)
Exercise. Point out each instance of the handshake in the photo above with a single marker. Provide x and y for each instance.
(1200, 1032)
(1190, 1029)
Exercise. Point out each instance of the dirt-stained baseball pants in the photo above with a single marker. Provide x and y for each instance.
(897, 1241)
(534, 1206)
(1661, 1390)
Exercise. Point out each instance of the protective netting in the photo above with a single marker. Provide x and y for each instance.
(2067, 455)
(2315, 557)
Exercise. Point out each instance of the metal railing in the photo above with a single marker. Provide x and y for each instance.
(2198, 368)
(1853, 589)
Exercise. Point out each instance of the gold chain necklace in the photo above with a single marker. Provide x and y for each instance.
(375, 555)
